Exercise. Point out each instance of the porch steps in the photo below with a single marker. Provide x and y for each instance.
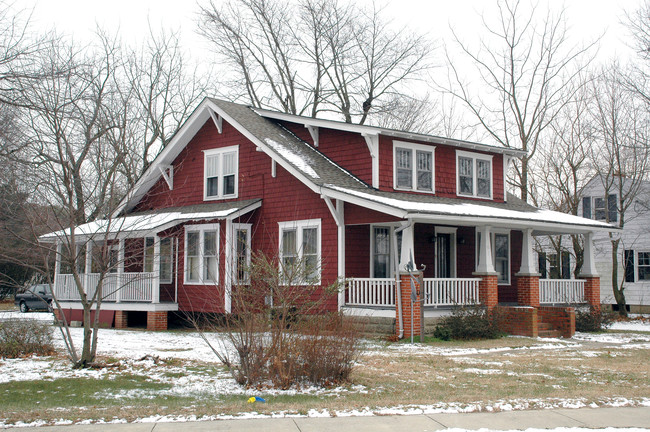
(545, 330)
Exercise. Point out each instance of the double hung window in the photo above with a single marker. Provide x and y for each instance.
(221, 168)
(166, 257)
(300, 251)
(474, 174)
(413, 167)
(604, 208)
(201, 253)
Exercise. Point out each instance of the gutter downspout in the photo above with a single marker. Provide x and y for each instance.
(398, 286)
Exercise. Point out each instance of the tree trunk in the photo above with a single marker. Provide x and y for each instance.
(619, 294)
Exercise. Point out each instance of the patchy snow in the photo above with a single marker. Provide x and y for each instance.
(295, 159)
(634, 325)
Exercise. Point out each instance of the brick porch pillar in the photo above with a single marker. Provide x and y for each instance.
(405, 284)
(157, 321)
(528, 289)
(121, 319)
(488, 287)
(592, 291)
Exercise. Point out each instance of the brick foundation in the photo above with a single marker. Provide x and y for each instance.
(405, 285)
(156, 321)
(592, 291)
(121, 319)
(518, 320)
(488, 290)
(528, 290)
(562, 319)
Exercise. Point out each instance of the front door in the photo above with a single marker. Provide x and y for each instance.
(443, 255)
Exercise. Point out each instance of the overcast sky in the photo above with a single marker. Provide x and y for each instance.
(587, 18)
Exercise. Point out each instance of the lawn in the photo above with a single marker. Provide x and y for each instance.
(173, 375)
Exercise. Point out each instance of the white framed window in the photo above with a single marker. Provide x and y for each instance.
(604, 208)
(643, 266)
(474, 174)
(500, 242)
(202, 254)
(166, 257)
(300, 249)
(220, 173)
(413, 167)
(381, 255)
(241, 253)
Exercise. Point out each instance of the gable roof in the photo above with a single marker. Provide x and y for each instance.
(325, 177)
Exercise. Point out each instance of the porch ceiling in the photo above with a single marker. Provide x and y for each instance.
(149, 222)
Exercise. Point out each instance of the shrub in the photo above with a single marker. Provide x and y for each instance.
(593, 319)
(468, 323)
(22, 337)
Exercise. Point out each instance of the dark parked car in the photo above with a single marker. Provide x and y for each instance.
(34, 297)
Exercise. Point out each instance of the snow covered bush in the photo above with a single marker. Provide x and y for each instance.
(22, 337)
(468, 323)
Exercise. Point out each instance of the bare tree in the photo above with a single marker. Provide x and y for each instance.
(315, 56)
(527, 71)
(621, 155)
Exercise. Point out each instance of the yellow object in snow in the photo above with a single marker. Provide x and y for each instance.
(251, 400)
(254, 399)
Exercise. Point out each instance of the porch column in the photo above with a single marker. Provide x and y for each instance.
(88, 265)
(528, 277)
(120, 270)
(340, 223)
(231, 250)
(488, 286)
(155, 281)
(589, 273)
(407, 256)
(409, 283)
(57, 265)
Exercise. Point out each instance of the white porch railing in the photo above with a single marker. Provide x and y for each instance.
(561, 291)
(451, 292)
(438, 292)
(127, 287)
(371, 292)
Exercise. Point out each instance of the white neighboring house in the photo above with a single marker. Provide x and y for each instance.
(634, 249)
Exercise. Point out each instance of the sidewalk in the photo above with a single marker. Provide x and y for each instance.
(502, 421)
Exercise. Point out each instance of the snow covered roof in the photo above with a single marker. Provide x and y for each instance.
(150, 222)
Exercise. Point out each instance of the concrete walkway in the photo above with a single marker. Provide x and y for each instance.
(503, 421)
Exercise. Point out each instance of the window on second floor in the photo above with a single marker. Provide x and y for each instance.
(601, 208)
(221, 168)
(414, 167)
(474, 174)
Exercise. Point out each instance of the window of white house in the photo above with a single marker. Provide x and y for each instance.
(166, 257)
(221, 168)
(201, 253)
(643, 266)
(300, 250)
(242, 253)
(413, 167)
(500, 254)
(474, 174)
(604, 208)
(381, 252)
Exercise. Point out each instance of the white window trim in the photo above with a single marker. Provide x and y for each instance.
(220, 151)
(474, 157)
(201, 229)
(391, 258)
(494, 252)
(235, 228)
(299, 226)
(415, 148)
(636, 267)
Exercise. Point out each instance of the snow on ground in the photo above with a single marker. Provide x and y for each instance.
(137, 350)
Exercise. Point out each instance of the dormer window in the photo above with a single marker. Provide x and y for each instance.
(474, 175)
(221, 168)
(413, 167)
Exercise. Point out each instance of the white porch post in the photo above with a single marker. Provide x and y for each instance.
(155, 282)
(407, 255)
(485, 260)
(120, 270)
(589, 264)
(57, 265)
(528, 266)
(88, 265)
(231, 244)
(340, 222)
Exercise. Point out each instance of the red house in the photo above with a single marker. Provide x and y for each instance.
(364, 203)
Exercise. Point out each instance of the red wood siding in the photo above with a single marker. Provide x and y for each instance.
(466, 252)
(357, 251)
(355, 214)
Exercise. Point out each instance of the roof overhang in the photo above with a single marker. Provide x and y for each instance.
(149, 223)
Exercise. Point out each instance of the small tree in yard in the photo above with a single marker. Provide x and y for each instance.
(278, 329)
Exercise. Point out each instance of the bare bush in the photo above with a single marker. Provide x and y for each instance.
(20, 337)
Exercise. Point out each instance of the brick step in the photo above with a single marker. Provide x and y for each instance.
(549, 334)
(544, 326)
